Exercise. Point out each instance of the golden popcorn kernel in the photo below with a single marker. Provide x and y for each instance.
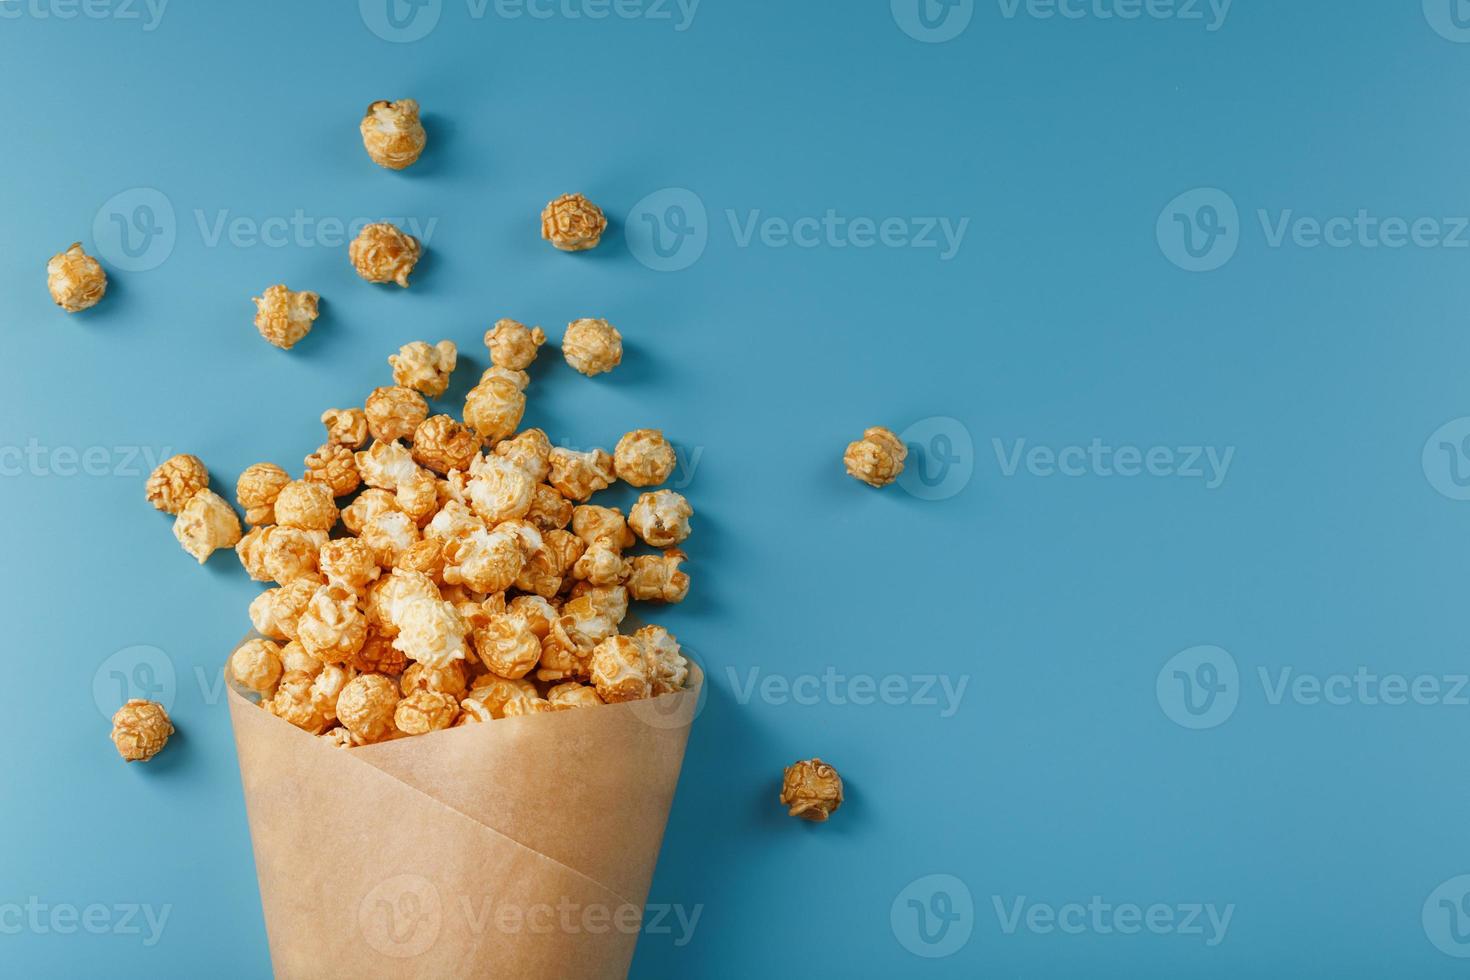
(548, 566)
(367, 505)
(283, 317)
(140, 729)
(273, 553)
(592, 346)
(811, 789)
(207, 522)
(486, 561)
(550, 511)
(366, 707)
(176, 480)
(619, 670)
(431, 633)
(453, 520)
(668, 670)
(378, 655)
(393, 593)
(295, 658)
(423, 368)
(507, 645)
(383, 465)
(574, 695)
(293, 702)
(578, 475)
(472, 712)
(592, 523)
(348, 562)
(644, 458)
(427, 556)
(393, 134)
(418, 496)
(335, 467)
(451, 678)
(661, 518)
(75, 279)
(390, 534)
(327, 687)
(332, 628)
(257, 489)
(338, 737)
(493, 408)
(381, 253)
(498, 490)
(517, 707)
(537, 613)
(602, 564)
(290, 601)
(530, 450)
(495, 692)
(306, 505)
(442, 444)
(394, 412)
(877, 458)
(425, 711)
(572, 223)
(262, 619)
(656, 578)
(256, 664)
(346, 427)
(512, 345)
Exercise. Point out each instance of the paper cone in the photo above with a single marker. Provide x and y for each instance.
(520, 848)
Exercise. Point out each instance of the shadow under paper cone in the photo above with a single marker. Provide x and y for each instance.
(523, 847)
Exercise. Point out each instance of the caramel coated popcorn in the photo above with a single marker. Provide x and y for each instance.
(425, 711)
(442, 444)
(394, 412)
(307, 505)
(140, 729)
(578, 475)
(75, 279)
(572, 223)
(811, 789)
(619, 670)
(513, 345)
(431, 633)
(877, 458)
(257, 489)
(256, 664)
(661, 518)
(382, 253)
(174, 481)
(494, 408)
(334, 466)
(592, 346)
(206, 523)
(283, 317)
(393, 134)
(657, 578)
(346, 427)
(332, 628)
(423, 367)
(366, 707)
(644, 458)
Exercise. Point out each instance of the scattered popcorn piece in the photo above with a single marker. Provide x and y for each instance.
(472, 712)
(295, 657)
(667, 669)
(378, 655)
(394, 412)
(661, 518)
(293, 702)
(346, 427)
(493, 408)
(592, 346)
(431, 632)
(499, 490)
(448, 679)
(495, 692)
(547, 567)
(257, 489)
(591, 523)
(578, 475)
(273, 553)
(549, 511)
(811, 789)
(427, 556)
(348, 562)
(390, 534)
(288, 603)
(140, 729)
(644, 458)
(174, 481)
(585, 621)
(334, 466)
(603, 564)
(442, 444)
(383, 465)
(530, 450)
(366, 707)
(877, 458)
(423, 368)
(382, 253)
(307, 505)
(256, 664)
(453, 520)
(487, 561)
(393, 134)
(425, 711)
(393, 593)
(262, 617)
(332, 628)
(513, 345)
(75, 279)
(507, 645)
(574, 694)
(283, 317)
(365, 506)
(572, 223)
(656, 578)
(619, 670)
(327, 687)
(207, 522)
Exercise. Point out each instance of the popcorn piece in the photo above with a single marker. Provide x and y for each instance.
(442, 444)
(390, 534)
(257, 489)
(538, 613)
(602, 564)
(306, 505)
(472, 712)
(391, 596)
(335, 467)
(493, 408)
(272, 553)
(496, 692)
(592, 346)
(332, 628)
(619, 670)
(585, 621)
(574, 695)
(392, 133)
(383, 253)
(384, 464)
(449, 679)
(432, 633)
(489, 561)
(366, 707)
(75, 279)
(453, 520)
(499, 490)
(661, 518)
(811, 789)
(295, 657)
(348, 562)
(530, 450)
(283, 317)
(423, 368)
(578, 475)
(378, 655)
(327, 687)
(346, 426)
(426, 556)
(657, 578)
(548, 566)
(293, 702)
(591, 523)
(176, 480)
(531, 706)
(425, 711)
(549, 510)
(207, 522)
(290, 601)
(644, 458)
(256, 664)
(262, 618)
(394, 413)
(513, 345)
(572, 223)
(877, 458)
(140, 729)
(338, 737)
(667, 669)
(367, 505)
(508, 646)
(418, 495)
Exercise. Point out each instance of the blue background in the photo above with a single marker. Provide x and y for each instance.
(1060, 320)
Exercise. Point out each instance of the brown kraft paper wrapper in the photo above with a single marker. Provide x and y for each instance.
(518, 848)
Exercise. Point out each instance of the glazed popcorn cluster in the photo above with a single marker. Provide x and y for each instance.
(425, 572)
